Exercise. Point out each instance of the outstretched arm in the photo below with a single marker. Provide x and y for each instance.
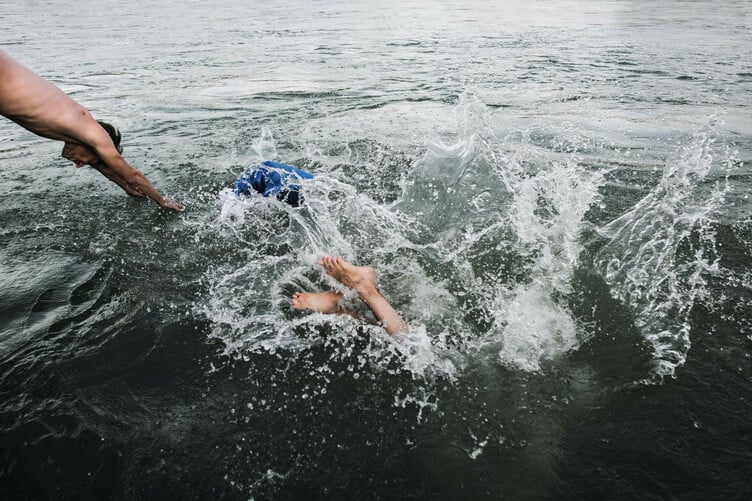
(110, 174)
(114, 166)
(130, 179)
(41, 107)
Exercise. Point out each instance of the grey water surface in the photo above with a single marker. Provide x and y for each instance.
(555, 195)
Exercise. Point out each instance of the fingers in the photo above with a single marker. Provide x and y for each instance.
(169, 204)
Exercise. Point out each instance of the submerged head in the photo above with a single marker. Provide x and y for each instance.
(83, 155)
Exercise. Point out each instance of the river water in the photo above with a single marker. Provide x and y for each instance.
(555, 195)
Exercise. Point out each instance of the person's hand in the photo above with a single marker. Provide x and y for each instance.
(170, 204)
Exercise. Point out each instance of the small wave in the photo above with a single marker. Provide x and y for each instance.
(243, 88)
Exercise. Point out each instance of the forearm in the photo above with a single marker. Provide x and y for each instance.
(137, 182)
(89, 133)
(109, 174)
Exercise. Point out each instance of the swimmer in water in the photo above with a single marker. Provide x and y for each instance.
(42, 108)
(362, 279)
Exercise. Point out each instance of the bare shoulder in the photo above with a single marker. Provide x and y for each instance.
(36, 104)
(6, 62)
(18, 84)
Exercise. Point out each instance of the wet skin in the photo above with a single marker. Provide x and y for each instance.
(42, 108)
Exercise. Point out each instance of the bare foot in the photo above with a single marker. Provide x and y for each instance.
(324, 302)
(363, 280)
(359, 278)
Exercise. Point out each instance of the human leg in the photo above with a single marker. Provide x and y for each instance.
(362, 279)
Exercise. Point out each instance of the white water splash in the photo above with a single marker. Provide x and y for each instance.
(443, 250)
(659, 251)
(548, 214)
(535, 328)
(249, 303)
(506, 206)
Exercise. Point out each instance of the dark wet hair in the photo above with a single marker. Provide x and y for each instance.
(114, 134)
